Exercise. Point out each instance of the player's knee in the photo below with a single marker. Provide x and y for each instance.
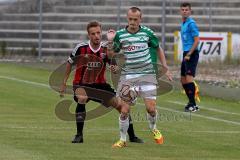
(120, 105)
(81, 95)
(151, 107)
(152, 111)
(82, 99)
(124, 116)
(115, 103)
(189, 78)
(183, 80)
(151, 104)
(125, 108)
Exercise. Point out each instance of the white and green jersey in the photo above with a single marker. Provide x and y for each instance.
(139, 58)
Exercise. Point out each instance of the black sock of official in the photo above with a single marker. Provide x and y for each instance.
(130, 129)
(191, 93)
(80, 118)
(185, 86)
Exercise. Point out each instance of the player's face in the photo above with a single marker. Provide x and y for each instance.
(134, 19)
(95, 35)
(185, 12)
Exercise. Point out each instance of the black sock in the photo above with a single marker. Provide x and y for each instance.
(191, 92)
(130, 129)
(80, 118)
(185, 86)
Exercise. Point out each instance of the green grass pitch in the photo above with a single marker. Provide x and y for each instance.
(30, 130)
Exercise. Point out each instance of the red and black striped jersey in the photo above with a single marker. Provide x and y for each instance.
(90, 64)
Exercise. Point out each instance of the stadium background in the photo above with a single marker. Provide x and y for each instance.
(32, 46)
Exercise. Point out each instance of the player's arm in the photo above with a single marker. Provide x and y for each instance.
(154, 42)
(163, 61)
(162, 57)
(110, 37)
(111, 52)
(113, 65)
(65, 79)
(71, 61)
(194, 47)
(195, 33)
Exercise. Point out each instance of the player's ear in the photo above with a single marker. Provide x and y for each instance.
(88, 35)
(140, 16)
(190, 9)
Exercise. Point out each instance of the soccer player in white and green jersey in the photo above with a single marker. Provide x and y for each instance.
(135, 42)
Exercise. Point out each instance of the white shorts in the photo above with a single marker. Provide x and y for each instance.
(145, 85)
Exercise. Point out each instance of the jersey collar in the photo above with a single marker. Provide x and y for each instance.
(94, 50)
(135, 32)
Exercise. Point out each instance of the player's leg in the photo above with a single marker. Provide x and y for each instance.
(132, 136)
(80, 118)
(81, 98)
(152, 119)
(188, 82)
(81, 95)
(184, 81)
(130, 131)
(151, 112)
(103, 93)
(149, 91)
(123, 121)
(185, 87)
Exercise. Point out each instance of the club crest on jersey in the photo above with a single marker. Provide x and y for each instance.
(86, 56)
(144, 39)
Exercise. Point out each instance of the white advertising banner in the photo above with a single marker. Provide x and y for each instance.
(212, 46)
(235, 46)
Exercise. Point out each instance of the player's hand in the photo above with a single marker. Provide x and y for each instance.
(169, 75)
(114, 68)
(187, 57)
(62, 90)
(110, 35)
(167, 72)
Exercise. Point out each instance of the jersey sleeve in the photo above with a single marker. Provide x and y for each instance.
(153, 40)
(72, 57)
(194, 29)
(116, 43)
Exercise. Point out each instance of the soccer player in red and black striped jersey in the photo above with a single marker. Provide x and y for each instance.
(89, 81)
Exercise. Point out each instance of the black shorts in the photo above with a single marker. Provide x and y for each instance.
(189, 67)
(101, 93)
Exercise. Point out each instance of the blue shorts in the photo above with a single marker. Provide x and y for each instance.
(189, 67)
